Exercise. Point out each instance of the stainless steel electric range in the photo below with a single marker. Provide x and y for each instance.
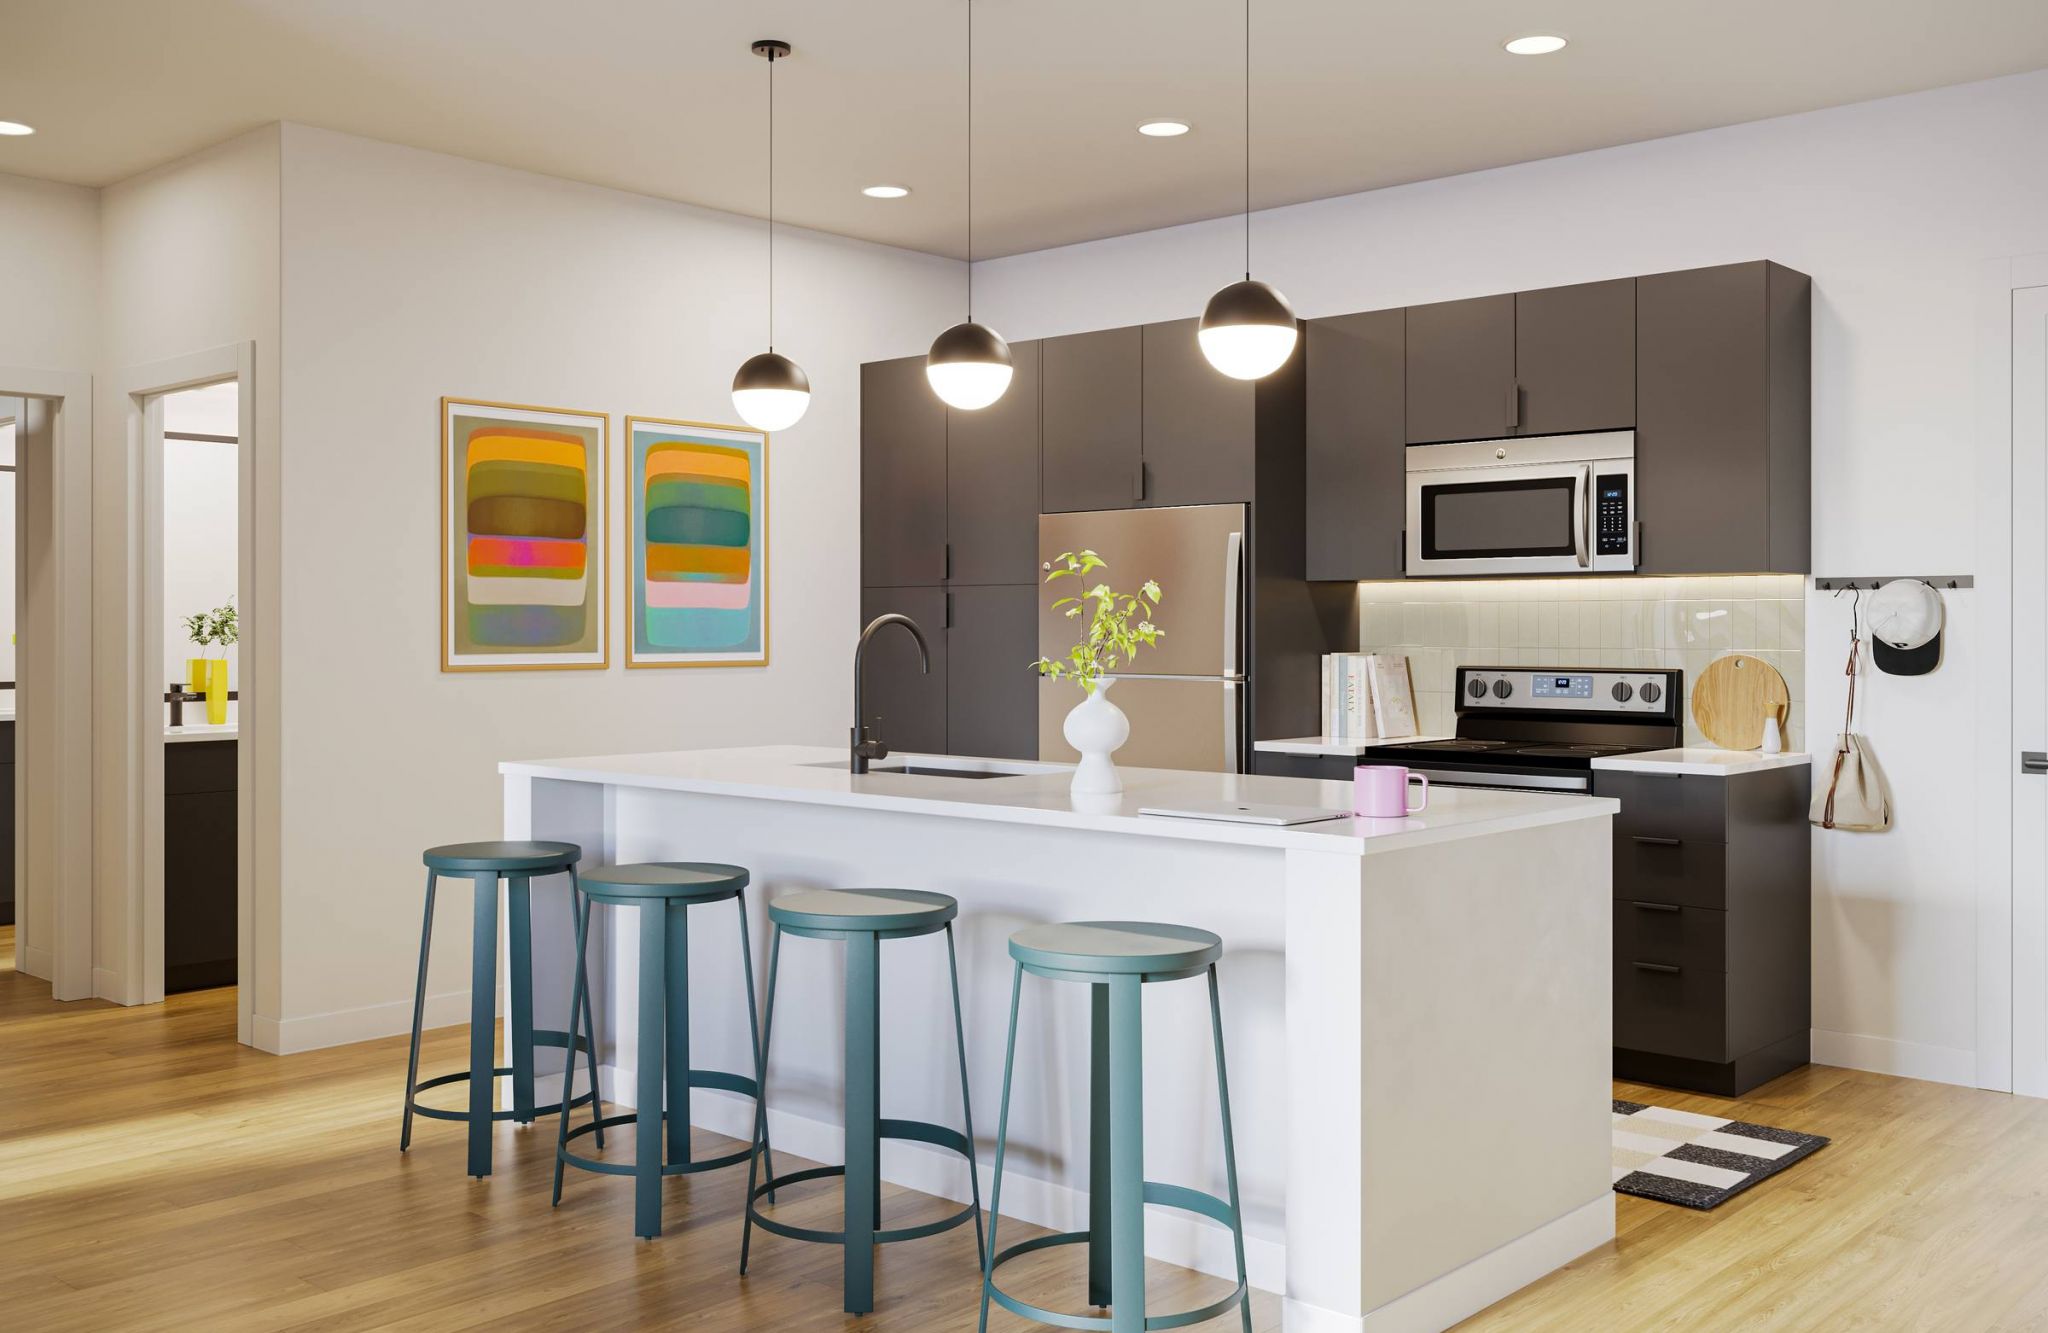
(1541, 728)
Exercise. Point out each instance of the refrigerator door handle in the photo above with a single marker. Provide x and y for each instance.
(1230, 764)
(1233, 580)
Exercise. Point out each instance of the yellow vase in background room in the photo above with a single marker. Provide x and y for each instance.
(216, 691)
(195, 675)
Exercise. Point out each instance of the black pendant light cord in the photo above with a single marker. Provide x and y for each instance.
(771, 201)
(1247, 140)
(970, 161)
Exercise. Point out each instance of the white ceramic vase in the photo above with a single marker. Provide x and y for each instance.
(1097, 728)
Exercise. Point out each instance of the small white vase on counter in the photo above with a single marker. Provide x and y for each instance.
(1097, 728)
(1774, 740)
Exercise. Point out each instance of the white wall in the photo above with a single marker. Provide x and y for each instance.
(190, 262)
(49, 275)
(1892, 207)
(409, 276)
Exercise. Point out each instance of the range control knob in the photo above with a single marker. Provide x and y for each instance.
(1501, 689)
(1622, 692)
(1652, 691)
(1477, 689)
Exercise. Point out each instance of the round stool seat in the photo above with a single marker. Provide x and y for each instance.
(1116, 948)
(676, 881)
(504, 857)
(889, 911)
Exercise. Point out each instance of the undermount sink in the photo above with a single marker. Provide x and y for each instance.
(929, 770)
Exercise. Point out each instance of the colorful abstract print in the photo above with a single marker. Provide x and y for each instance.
(528, 577)
(698, 546)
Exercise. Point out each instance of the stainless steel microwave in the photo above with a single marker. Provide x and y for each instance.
(1548, 504)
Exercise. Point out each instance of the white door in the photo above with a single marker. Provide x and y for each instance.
(2030, 689)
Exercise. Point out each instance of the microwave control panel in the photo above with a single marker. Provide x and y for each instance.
(1612, 518)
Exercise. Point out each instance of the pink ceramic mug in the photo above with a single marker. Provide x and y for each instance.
(1380, 791)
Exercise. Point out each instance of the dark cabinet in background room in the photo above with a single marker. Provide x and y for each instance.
(1093, 425)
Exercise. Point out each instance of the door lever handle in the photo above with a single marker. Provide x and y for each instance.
(2033, 761)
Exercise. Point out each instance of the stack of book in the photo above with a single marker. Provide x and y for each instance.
(1367, 696)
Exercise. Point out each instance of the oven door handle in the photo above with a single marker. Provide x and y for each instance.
(1583, 533)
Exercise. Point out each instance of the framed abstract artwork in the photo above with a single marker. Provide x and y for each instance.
(697, 557)
(525, 538)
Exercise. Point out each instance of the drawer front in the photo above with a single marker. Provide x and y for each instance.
(1654, 869)
(1328, 767)
(1655, 805)
(1695, 938)
(199, 766)
(1670, 1009)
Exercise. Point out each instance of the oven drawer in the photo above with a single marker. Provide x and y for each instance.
(1653, 869)
(1695, 938)
(1656, 805)
(1670, 1009)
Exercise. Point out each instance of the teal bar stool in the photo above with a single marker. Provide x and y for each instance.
(518, 864)
(1116, 960)
(863, 918)
(664, 892)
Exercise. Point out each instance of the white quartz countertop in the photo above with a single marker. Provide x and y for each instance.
(200, 731)
(1033, 793)
(1701, 762)
(1335, 745)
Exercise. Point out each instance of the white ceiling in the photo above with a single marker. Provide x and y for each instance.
(662, 96)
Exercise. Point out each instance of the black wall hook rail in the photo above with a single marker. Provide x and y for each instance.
(1941, 582)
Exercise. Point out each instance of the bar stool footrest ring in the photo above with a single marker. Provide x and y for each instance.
(1166, 1196)
(699, 1078)
(917, 1131)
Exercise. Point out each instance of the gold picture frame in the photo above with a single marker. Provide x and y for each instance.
(642, 654)
(597, 578)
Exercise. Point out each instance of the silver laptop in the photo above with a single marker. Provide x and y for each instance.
(1245, 812)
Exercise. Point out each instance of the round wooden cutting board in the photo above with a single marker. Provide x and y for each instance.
(1732, 698)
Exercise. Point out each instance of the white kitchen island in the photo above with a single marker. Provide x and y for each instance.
(1417, 1012)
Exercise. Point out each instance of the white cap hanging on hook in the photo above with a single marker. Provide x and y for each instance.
(1905, 619)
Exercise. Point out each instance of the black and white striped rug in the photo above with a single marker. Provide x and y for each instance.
(1698, 1161)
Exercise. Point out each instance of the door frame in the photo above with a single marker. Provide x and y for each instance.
(58, 832)
(132, 901)
(2012, 955)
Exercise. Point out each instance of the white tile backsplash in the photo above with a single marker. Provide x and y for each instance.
(1592, 622)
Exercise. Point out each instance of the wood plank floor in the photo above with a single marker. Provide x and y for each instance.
(155, 1175)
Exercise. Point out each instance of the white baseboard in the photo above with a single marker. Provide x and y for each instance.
(1172, 1237)
(35, 962)
(1467, 1290)
(107, 985)
(1888, 1055)
(289, 1036)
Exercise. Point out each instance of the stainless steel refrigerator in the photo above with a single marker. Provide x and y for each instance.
(1186, 697)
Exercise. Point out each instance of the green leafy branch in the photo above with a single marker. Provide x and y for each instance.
(219, 626)
(1119, 623)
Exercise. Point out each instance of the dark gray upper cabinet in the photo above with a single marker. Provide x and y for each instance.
(1093, 432)
(902, 475)
(1356, 456)
(1200, 424)
(904, 706)
(992, 482)
(1722, 420)
(991, 690)
(1461, 370)
(1575, 358)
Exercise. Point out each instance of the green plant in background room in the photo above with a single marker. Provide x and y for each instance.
(1119, 624)
(220, 627)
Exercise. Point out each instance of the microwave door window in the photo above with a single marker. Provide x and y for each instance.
(1496, 519)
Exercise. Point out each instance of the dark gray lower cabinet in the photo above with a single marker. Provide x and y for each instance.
(991, 690)
(1712, 927)
(199, 865)
(1329, 767)
(6, 823)
(905, 707)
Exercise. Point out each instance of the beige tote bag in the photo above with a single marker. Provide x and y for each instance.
(1853, 797)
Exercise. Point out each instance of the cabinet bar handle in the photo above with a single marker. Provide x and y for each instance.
(1138, 482)
(1657, 907)
(949, 609)
(946, 563)
(1668, 969)
(1658, 842)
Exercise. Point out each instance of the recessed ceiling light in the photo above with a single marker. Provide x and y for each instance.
(1163, 129)
(1539, 45)
(886, 191)
(15, 127)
